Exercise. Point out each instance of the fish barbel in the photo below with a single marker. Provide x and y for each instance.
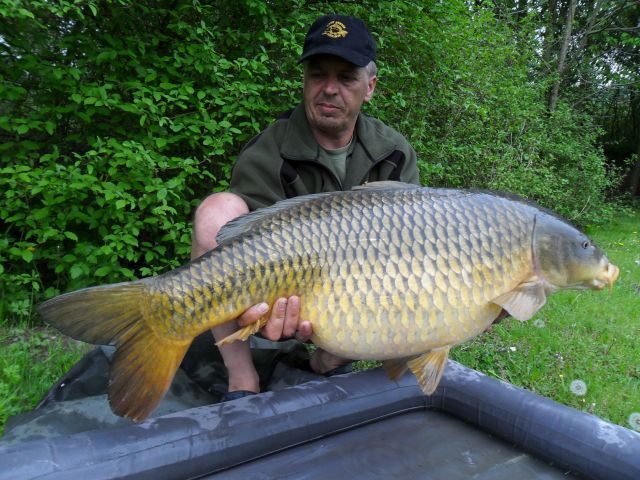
(387, 271)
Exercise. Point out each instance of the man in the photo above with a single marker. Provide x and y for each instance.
(324, 144)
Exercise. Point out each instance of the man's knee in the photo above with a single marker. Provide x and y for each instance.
(214, 212)
(221, 205)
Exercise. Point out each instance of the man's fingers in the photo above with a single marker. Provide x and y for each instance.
(305, 332)
(253, 314)
(274, 327)
(283, 321)
(292, 317)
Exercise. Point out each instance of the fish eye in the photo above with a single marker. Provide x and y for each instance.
(586, 244)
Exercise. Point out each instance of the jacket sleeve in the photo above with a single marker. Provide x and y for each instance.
(256, 174)
(410, 173)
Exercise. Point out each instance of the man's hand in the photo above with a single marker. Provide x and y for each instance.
(284, 321)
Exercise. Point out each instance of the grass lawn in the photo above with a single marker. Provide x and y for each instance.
(584, 336)
(32, 360)
(591, 337)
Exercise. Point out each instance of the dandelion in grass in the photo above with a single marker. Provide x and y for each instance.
(634, 421)
(579, 388)
(538, 323)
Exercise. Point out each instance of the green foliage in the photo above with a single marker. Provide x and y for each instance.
(117, 118)
(458, 83)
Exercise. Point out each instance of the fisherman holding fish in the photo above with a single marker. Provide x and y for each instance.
(324, 144)
(389, 270)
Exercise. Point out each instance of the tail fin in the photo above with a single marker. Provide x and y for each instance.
(145, 361)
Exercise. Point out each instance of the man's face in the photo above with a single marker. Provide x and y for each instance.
(334, 91)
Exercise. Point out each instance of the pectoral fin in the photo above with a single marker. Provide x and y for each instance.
(428, 368)
(523, 301)
(245, 332)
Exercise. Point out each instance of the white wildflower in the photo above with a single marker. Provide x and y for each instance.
(539, 323)
(579, 388)
(634, 421)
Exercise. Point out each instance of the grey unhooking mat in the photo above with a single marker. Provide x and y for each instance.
(78, 402)
(360, 425)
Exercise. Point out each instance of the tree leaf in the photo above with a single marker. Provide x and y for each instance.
(76, 271)
(103, 271)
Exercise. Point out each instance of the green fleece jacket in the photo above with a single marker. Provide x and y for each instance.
(283, 161)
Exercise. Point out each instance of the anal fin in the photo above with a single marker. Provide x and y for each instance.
(428, 368)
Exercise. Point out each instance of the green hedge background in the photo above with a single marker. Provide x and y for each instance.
(117, 118)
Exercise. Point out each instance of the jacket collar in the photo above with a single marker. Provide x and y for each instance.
(299, 143)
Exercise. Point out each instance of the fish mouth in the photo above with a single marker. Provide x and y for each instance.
(607, 278)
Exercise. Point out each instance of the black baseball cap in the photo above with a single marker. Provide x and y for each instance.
(341, 35)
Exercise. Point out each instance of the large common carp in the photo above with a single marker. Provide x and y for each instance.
(388, 271)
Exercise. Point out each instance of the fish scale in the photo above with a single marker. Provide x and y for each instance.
(388, 271)
(326, 313)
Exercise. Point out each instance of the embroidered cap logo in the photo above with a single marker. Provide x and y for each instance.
(335, 29)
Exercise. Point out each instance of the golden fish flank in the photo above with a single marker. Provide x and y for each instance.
(387, 271)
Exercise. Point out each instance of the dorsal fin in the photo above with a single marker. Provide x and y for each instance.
(245, 223)
(514, 197)
(386, 185)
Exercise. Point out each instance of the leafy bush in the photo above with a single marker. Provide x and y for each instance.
(458, 83)
(118, 117)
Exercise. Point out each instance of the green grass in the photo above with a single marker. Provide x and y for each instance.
(32, 361)
(588, 336)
